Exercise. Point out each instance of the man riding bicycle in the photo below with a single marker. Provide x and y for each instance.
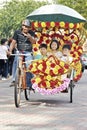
(24, 39)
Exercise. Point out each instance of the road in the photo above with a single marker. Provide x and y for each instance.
(44, 112)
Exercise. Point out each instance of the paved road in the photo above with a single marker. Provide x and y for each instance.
(44, 112)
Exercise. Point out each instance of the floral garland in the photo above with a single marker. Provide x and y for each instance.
(48, 71)
(70, 36)
(48, 75)
(56, 24)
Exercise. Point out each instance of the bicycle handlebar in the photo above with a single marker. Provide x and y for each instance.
(19, 54)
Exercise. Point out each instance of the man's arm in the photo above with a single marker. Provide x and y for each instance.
(12, 46)
(31, 38)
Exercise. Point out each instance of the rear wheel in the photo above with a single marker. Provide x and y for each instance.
(71, 85)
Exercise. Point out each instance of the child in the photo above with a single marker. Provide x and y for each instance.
(54, 46)
(66, 54)
(66, 58)
(43, 51)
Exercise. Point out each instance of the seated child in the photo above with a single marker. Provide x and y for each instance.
(66, 57)
(54, 46)
(43, 51)
(66, 54)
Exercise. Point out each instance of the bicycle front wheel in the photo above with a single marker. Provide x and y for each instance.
(17, 88)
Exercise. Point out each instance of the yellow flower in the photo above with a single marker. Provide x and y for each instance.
(40, 67)
(43, 24)
(48, 63)
(44, 38)
(55, 70)
(44, 30)
(48, 84)
(38, 34)
(52, 24)
(62, 24)
(78, 25)
(38, 79)
(47, 71)
(65, 37)
(71, 25)
(36, 24)
(62, 63)
(48, 77)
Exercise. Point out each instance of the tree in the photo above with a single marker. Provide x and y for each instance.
(13, 13)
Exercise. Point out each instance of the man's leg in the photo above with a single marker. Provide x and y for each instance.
(29, 75)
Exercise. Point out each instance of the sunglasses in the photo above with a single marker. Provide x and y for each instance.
(26, 26)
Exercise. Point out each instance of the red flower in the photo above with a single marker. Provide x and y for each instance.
(48, 24)
(66, 25)
(39, 24)
(57, 24)
(39, 42)
(52, 65)
(75, 25)
(43, 83)
(72, 36)
(61, 71)
(66, 66)
(33, 81)
(35, 49)
(47, 41)
(30, 66)
(51, 73)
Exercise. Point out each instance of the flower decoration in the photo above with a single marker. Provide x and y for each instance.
(62, 24)
(48, 74)
(71, 25)
(43, 24)
(52, 24)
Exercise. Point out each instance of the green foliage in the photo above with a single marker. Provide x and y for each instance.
(15, 11)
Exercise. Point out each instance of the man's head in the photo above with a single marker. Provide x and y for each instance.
(26, 25)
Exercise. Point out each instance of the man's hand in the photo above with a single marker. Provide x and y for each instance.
(27, 35)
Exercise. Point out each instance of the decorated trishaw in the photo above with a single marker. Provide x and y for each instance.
(65, 25)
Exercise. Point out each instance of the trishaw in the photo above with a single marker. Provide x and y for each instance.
(49, 22)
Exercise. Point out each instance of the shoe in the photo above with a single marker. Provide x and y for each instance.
(4, 79)
(65, 91)
(12, 83)
(31, 89)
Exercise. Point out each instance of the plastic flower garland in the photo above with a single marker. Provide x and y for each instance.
(56, 24)
(48, 75)
(47, 78)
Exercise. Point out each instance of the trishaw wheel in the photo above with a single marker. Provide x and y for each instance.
(71, 91)
(17, 88)
(27, 94)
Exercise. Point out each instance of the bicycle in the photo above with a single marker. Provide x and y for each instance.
(20, 80)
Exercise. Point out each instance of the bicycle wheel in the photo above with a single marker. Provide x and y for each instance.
(71, 85)
(17, 88)
(27, 94)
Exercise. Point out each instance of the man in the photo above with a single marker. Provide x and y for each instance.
(24, 39)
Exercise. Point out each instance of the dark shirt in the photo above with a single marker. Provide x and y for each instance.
(23, 43)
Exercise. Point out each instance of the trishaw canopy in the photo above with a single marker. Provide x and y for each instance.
(56, 13)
